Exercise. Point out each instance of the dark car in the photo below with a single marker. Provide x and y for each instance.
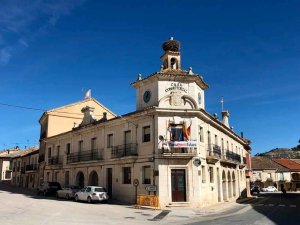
(254, 189)
(49, 188)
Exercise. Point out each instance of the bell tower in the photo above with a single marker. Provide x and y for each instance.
(171, 58)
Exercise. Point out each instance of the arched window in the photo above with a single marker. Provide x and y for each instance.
(174, 64)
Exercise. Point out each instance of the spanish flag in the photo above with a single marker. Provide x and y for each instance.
(186, 131)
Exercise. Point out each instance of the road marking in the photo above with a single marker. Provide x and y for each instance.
(292, 205)
(271, 204)
(281, 205)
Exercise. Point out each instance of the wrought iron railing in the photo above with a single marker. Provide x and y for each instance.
(32, 167)
(179, 151)
(83, 156)
(124, 150)
(214, 150)
(232, 156)
(55, 160)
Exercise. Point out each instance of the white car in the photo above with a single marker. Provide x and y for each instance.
(270, 189)
(67, 192)
(92, 194)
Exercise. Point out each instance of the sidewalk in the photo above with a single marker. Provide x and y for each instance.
(177, 215)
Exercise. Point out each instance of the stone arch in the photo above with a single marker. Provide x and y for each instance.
(80, 179)
(224, 186)
(187, 102)
(93, 178)
(229, 181)
(233, 184)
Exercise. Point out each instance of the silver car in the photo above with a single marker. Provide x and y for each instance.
(67, 192)
(92, 194)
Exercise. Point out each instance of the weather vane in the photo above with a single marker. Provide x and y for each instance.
(222, 103)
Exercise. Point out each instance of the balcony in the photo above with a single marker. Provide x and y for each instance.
(54, 161)
(179, 152)
(32, 167)
(213, 154)
(85, 156)
(41, 158)
(22, 169)
(120, 151)
(179, 149)
(231, 158)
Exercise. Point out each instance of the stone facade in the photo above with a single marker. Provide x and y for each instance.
(170, 144)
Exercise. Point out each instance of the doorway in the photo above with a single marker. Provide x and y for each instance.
(178, 183)
(109, 181)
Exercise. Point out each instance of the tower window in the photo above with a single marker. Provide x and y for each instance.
(173, 63)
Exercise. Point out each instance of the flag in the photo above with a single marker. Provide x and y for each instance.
(186, 130)
(87, 94)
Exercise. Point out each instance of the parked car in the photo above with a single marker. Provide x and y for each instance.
(48, 188)
(255, 189)
(68, 191)
(92, 194)
(270, 189)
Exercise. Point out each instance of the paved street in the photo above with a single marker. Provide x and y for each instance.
(20, 206)
(266, 210)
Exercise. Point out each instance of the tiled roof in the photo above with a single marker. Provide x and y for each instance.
(296, 160)
(290, 164)
(265, 163)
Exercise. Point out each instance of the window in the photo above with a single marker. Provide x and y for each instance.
(56, 176)
(216, 139)
(68, 148)
(58, 150)
(49, 152)
(201, 138)
(146, 134)
(93, 143)
(80, 146)
(67, 177)
(126, 175)
(203, 174)
(211, 174)
(146, 175)
(110, 140)
(176, 133)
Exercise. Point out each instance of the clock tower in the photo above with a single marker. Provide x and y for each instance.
(171, 87)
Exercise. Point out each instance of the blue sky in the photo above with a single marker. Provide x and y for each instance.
(51, 52)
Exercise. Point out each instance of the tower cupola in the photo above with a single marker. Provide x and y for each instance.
(171, 57)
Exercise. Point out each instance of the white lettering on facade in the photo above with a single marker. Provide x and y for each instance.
(176, 86)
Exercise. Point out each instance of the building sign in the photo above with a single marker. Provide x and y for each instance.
(150, 188)
(176, 86)
(180, 144)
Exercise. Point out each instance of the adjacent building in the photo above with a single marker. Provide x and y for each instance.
(170, 145)
(5, 164)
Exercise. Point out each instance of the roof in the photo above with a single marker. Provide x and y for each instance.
(22, 153)
(75, 103)
(175, 75)
(296, 160)
(265, 163)
(290, 164)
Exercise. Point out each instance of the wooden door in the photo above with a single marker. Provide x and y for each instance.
(109, 181)
(178, 182)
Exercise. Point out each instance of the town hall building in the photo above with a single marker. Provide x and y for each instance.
(170, 145)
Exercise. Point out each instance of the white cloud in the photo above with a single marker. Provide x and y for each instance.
(22, 23)
(4, 56)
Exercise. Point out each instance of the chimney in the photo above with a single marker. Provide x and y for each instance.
(88, 115)
(225, 116)
(104, 117)
(242, 134)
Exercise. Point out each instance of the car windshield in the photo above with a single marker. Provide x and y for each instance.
(100, 189)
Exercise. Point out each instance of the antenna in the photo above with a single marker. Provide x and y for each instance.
(222, 103)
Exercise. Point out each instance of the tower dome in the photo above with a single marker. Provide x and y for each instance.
(171, 45)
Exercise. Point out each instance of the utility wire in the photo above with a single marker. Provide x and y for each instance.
(43, 110)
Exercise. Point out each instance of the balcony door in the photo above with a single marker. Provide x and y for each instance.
(127, 142)
(178, 183)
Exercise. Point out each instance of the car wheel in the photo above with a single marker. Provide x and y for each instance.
(89, 200)
(76, 198)
(67, 196)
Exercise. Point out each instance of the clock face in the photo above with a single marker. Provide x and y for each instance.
(147, 96)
